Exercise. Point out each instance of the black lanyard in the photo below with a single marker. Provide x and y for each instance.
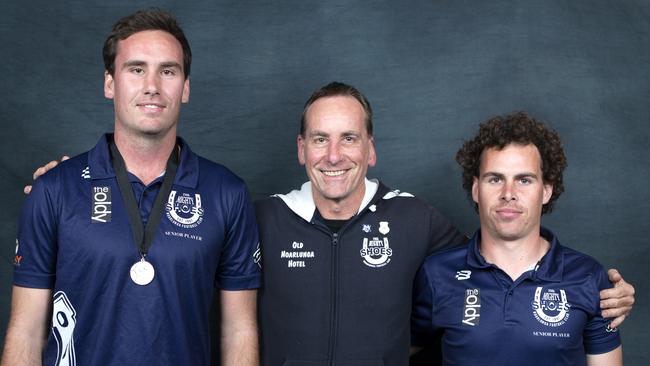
(143, 236)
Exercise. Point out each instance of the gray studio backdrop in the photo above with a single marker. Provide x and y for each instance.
(431, 69)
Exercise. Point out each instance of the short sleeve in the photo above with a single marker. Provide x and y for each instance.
(598, 336)
(237, 267)
(36, 243)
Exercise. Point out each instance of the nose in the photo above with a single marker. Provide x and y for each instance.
(333, 153)
(152, 84)
(508, 192)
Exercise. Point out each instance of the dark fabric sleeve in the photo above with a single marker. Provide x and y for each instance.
(598, 336)
(36, 244)
(422, 325)
(237, 267)
(443, 234)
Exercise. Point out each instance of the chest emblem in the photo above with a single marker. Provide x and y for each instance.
(550, 307)
(383, 227)
(376, 252)
(184, 210)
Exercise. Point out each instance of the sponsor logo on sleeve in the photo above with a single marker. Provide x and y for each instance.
(609, 329)
(17, 258)
(257, 255)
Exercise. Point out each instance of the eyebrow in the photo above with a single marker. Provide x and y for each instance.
(131, 63)
(517, 176)
(163, 65)
(344, 133)
(171, 64)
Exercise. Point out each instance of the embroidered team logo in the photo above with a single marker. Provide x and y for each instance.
(184, 210)
(551, 307)
(376, 252)
(64, 319)
(366, 228)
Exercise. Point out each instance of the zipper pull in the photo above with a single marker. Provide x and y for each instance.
(335, 238)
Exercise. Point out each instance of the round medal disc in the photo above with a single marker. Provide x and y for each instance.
(142, 272)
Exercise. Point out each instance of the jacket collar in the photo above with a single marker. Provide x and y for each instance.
(302, 202)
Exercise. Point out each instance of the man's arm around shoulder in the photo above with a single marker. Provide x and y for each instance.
(28, 326)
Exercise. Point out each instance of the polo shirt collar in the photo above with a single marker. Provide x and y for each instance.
(101, 167)
(550, 266)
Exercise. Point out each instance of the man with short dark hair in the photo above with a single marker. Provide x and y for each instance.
(514, 296)
(119, 249)
(339, 255)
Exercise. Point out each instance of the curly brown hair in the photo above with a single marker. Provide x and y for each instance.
(517, 128)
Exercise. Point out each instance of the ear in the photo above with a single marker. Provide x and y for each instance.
(186, 91)
(548, 192)
(109, 91)
(372, 155)
(300, 141)
(475, 190)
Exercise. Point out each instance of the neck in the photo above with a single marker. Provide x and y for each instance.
(514, 257)
(146, 158)
(342, 209)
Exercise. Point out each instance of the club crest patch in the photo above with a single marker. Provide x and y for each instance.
(383, 227)
(376, 252)
(184, 210)
(550, 307)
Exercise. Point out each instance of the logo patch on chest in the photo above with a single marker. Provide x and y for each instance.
(376, 252)
(550, 307)
(102, 205)
(472, 307)
(184, 210)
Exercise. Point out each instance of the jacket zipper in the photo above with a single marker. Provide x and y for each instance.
(334, 277)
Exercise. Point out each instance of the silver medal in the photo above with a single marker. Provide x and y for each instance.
(142, 272)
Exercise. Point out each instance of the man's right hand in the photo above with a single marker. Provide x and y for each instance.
(42, 170)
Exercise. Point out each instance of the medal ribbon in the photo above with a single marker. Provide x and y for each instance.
(142, 236)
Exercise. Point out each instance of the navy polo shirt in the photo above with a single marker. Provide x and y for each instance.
(548, 316)
(74, 237)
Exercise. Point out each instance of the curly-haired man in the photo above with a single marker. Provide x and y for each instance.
(525, 298)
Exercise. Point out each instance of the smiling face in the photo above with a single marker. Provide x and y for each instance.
(510, 192)
(336, 151)
(148, 85)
